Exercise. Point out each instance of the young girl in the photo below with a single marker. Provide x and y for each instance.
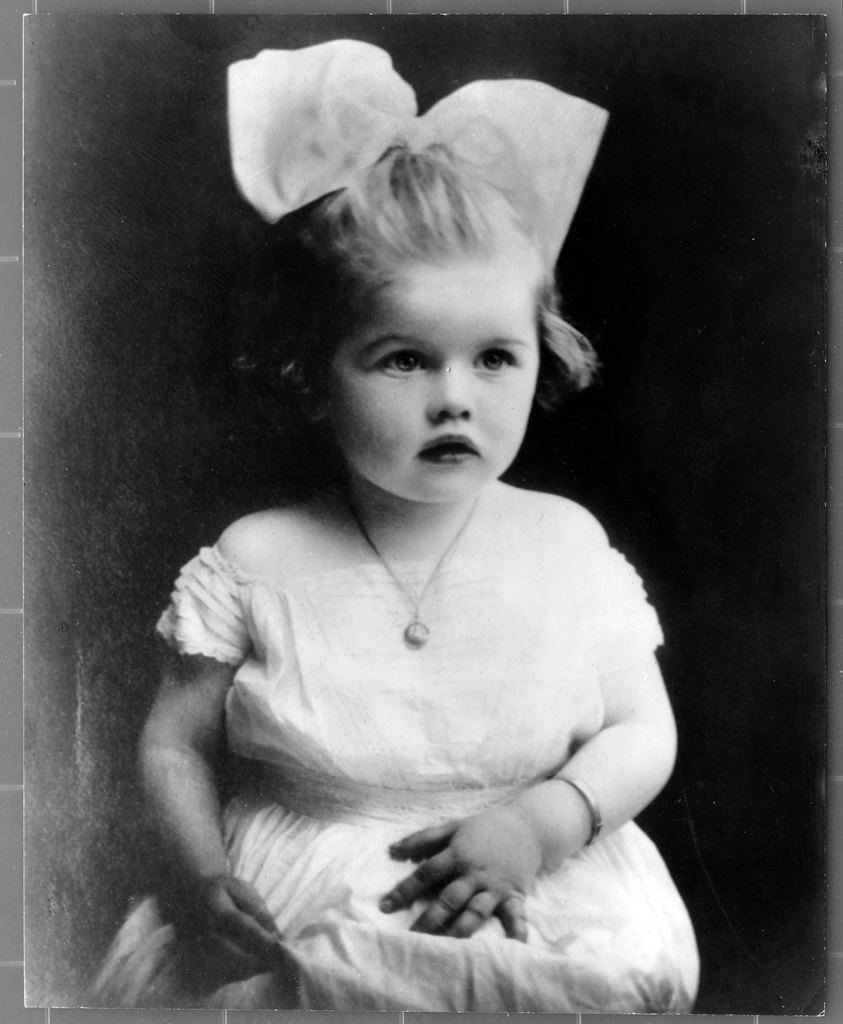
(436, 695)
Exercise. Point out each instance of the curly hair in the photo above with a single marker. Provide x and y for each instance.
(309, 285)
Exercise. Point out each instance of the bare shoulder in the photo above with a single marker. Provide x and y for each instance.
(262, 542)
(560, 516)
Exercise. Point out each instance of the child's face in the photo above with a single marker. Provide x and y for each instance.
(429, 400)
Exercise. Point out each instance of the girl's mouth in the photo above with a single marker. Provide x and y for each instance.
(449, 450)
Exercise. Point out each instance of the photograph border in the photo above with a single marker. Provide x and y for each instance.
(12, 259)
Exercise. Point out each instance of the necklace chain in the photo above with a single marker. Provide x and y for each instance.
(416, 633)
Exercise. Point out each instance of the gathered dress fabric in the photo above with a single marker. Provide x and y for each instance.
(359, 741)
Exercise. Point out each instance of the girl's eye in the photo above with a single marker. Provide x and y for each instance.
(403, 362)
(497, 359)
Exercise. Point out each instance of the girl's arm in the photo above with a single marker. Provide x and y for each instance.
(483, 865)
(180, 747)
(624, 766)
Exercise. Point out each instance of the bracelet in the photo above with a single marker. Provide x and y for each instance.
(591, 803)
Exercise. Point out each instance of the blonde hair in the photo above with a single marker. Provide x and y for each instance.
(322, 263)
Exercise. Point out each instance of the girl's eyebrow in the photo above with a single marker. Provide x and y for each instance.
(511, 342)
(411, 339)
(386, 339)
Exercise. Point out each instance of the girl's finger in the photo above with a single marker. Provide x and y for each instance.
(477, 911)
(424, 843)
(247, 899)
(450, 902)
(431, 875)
(248, 934)
(512, 914)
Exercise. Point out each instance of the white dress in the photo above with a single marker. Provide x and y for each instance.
(365, 741)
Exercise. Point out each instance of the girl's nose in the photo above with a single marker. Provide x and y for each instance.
(450, 397)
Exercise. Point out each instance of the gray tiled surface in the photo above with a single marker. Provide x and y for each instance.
(124, 6)
(607, 1018)
(10, 171)
(11, 886)
(11, 699)
(831, 9)
(10, 346)
(11, 13)
(136, 1017)
(654, 7)
(477, 7)
(299, 7)
(281, 1017)
(11, 564)
(11, 999)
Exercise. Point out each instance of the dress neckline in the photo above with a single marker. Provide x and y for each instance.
(335, 533)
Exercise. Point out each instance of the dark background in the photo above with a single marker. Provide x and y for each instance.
(696, 264)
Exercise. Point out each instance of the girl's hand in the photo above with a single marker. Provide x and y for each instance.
(231, 922)
(472, 869)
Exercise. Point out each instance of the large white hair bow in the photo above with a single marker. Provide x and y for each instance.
(305, 122)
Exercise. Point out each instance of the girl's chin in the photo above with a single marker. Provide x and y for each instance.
(427, 492)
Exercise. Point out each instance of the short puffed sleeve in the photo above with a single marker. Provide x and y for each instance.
(622, 624)
(627, 626)
(205, 615)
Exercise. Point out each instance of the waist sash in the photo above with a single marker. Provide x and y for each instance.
(332, 798)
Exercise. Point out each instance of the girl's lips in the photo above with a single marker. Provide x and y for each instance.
(448, 449)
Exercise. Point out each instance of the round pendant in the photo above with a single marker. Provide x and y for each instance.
(416, 635)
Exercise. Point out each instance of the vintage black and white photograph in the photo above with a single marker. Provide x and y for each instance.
(425, 513)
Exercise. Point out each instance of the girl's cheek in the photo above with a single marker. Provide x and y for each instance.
(370, 437)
